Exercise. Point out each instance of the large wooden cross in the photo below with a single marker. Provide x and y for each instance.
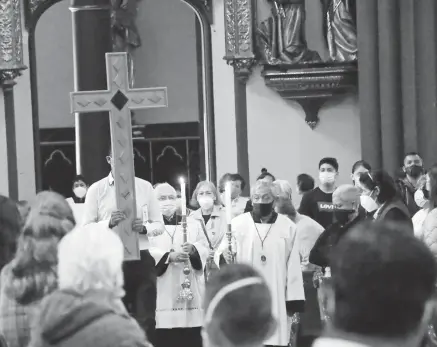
(119, 100)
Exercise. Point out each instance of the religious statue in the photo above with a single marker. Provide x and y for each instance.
(340, 29)
(281, 37)
(125, 36)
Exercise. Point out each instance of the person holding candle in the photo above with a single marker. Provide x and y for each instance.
(178, 321)
(212, 218)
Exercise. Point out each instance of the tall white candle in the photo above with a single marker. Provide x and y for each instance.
(183, 198)
(228, 202)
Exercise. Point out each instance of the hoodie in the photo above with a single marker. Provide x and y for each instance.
(68, 319)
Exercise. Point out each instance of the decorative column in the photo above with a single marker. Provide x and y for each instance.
(91, 41)
(11, 63)
(239, 41)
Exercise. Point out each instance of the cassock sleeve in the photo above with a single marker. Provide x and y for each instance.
(160, 257)
(295, 295)
(202, 250)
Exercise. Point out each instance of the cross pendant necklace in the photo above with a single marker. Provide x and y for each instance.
(263, 256)
(171, 237)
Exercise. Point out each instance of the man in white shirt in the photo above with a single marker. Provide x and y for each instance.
(139, 276)
(381, 290)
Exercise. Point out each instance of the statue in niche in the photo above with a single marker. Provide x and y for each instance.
(281, 37)
(340, 29)
(125, 36)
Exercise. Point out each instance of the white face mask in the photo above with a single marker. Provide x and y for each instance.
(205, 202)
(327, 177)
(80, 192)
(419, 198)
(368, 203)
(168, 207)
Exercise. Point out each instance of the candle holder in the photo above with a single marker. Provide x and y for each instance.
(186, 294)
(229, 237)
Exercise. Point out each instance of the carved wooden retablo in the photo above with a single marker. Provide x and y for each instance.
(119, 100)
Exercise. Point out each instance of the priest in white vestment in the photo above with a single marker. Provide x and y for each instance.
(178, 322)
(267, 241)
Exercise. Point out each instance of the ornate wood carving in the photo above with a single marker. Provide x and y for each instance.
(312, 85)
(239, 37)
(11, 44)
(119, 99)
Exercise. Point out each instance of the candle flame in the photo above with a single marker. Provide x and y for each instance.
(181, 180)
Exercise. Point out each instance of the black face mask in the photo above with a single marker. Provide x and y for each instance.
(342, 216)
(414, 171)
(262, 210)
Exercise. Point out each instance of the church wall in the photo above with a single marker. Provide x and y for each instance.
(167, 57)
(279, 139)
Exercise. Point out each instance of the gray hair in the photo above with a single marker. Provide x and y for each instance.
(282, 189)
(90, 258)
(158, 186)
(263, 187)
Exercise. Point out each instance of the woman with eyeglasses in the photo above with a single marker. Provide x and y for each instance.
(381, 199)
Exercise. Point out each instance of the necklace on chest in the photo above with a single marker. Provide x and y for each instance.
(172, 235)
(262, 240)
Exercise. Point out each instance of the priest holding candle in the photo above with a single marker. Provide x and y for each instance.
(180, 255)
(267, 241)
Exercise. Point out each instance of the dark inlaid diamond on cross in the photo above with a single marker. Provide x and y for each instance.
(119, 100)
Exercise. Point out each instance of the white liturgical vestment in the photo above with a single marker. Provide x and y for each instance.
(171, 312)
(277, 245)
(100, 202)
(78, 210)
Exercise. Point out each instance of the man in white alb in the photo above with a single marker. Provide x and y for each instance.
(139, 276)
(267, 241)
(178, 322)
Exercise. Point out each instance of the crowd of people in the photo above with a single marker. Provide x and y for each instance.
(357, 260)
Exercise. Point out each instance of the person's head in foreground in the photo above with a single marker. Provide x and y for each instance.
(238, 309)
(383, 281)
(346, 200)
(32, 272)
(282, 191)
(87, 310)
(266, 176)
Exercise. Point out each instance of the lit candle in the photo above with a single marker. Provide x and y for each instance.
(228, 202)
(183, 198)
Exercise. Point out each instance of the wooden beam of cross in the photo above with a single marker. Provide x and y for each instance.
(119, 100)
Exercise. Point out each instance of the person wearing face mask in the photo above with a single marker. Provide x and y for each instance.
(317, 204)
(178, 323)
(421, 197)
(413, 179)
(266, 177)
(77, 201)
(212, 218)
(268, 241)
(428, 233)
(346, 199)
(381, 200)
